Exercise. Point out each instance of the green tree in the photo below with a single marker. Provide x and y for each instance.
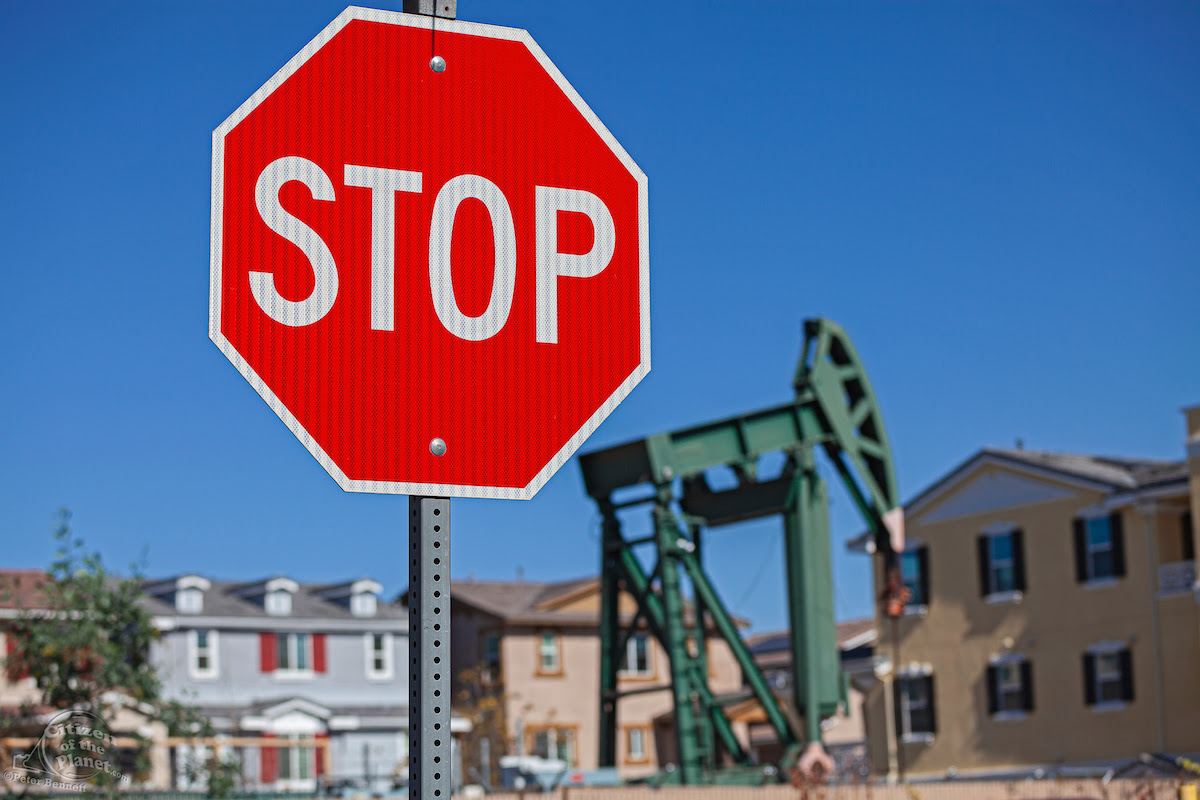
(87, 647)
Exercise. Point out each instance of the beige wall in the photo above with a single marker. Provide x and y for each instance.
(1052, 625)
(570, 698)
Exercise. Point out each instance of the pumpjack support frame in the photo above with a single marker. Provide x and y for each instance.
(835, 411)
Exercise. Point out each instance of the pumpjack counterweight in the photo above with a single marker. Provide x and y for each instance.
(834, 411)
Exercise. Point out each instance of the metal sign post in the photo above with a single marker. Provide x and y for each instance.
(429, 765)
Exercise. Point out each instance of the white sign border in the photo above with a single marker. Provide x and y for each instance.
(215, 241)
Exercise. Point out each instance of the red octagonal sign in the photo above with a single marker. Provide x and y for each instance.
(401, 256)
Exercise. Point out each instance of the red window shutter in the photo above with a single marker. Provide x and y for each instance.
(267, 654)
(270, 759)
(11, 650)
(319, 755)
(318, 641)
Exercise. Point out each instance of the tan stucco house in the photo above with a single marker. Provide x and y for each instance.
(1053, 623)
(537, 645)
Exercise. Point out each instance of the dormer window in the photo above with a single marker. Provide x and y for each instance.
(189, 601)
(363, 604)
(278, 603)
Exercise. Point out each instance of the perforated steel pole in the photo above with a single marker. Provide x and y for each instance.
(429, 767)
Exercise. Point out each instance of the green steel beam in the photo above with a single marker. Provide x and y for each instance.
(834, 409)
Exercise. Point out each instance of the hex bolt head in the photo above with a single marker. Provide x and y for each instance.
(437, 447)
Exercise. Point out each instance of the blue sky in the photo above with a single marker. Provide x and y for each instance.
(999, 201)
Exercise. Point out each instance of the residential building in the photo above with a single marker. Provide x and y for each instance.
(280, 660)
(22, 591)
(538, 645)
(844, 734)
(1053, 622)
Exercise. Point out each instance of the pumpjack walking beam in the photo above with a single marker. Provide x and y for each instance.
(835, 411)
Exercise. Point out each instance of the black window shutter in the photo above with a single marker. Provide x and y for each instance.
(932, 705)
(923, 566)
(1080, 550)
(1126, 658)
(1018, 544)
(1118, 543)
(1089, 679)
(1027, 685)
(993, 690)
(897, 691)
(1189, 545)
(984, 588)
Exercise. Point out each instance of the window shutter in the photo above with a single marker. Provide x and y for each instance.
(318, 644)
(1089, 679)
(268, 659)
(270, 761)
(1081, 575)
(1189, 544)
(984, 588)
(1126, 658)
(923, 566)
(1027, 685)
(1118, 543)
(993, 690)
(319, 755)
(11, 654)
(1018, 544)
(897, 692)
(932, 705)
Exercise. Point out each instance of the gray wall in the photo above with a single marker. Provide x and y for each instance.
(240, 681)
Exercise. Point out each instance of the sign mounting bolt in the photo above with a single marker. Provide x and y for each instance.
(438, 447)
(437, 64)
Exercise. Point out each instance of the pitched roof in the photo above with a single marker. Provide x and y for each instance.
(23, 588)
(231, 599)
(850, 635)
(533, 602)
(1112, 474)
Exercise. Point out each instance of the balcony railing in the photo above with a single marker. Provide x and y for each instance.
(1176, 577)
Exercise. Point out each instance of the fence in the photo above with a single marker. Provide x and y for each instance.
(1061, 789)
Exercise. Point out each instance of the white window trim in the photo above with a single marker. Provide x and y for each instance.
(641, 754)
(295, 673)
(1108, 705)
(630, 658)
(1003, 598)
(917, 738)
(556, 648)
(189, 592)
(193, 654)
(1101, 583)
(278, 603)
(1009, 716)
(916, 611)
(388, 671)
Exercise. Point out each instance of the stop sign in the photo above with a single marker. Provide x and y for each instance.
(402, 257)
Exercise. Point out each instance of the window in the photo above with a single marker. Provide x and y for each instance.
(295, 763)
(1002, 564)
(914, 571)
(1108, 676)
(491, 657)
(1099, 548)
(638, 656)
(557, 743)
(915, 717)
(549, 657)
(278, 603)
(189, 601)
(293, 651)
(379, 655)
(636, 751)
(363, 604)
(1010, 688)
(202, 653)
